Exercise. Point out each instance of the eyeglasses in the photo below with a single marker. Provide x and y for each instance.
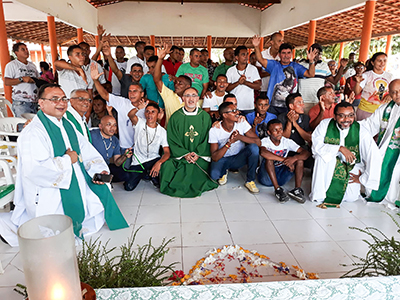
(56, 99)
(233, 111)
(360, 67)
(346, 116)
(191, 96)
(82, 99)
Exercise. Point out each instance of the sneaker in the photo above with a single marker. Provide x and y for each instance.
(297, 194)
(281, 195)
(251, 186)
(224, 179)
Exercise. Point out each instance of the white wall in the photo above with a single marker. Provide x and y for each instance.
(78, 13)
(174, 19)
(291, 13)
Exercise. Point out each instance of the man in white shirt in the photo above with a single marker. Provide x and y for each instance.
(138, 59)
(18, 74)
(77, 111)
(243, 80)
(149, 137)
(88, 62)
(121, 63)
(211, 104)
(228, 149)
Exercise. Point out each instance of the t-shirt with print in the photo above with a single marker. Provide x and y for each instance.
(198, 75)
(310, 86)
(69, 80)
(265, 80)
(106, 147)
(243, 93)
(23, 91)
(373, 83)
(221, 136)
(116, 85)
(125, 129)
(214, 102)
(283, 149)
(147, 142)
(283, 81)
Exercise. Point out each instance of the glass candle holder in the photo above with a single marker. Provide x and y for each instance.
(49, 261)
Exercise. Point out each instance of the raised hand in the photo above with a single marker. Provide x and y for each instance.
(358, 78)
(100, 31)
(82, 73)
(142, 103)
(312, 54)
(106, 49)
(163, 50)
(322, 105)
(256, 41)
(94, 72)
(343, 62)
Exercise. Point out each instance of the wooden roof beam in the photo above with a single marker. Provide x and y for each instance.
(387, 12)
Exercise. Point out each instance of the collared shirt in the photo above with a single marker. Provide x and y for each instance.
(171, 67)
(315, 110)
(81, 120)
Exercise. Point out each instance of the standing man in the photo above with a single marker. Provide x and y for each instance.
(18, 74)
(345, 156)
(196, 72)
(76, 112)
(121, 63)
(386, 123)
(138, 59)
(243, 80)
(229, 55)
(284, 74)
(185, 174)
(88, 62)
(173, 62)
(55, 170)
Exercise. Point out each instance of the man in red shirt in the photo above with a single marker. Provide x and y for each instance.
(324, 109)
(173, 62)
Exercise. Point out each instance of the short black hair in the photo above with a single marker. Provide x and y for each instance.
(221, 75)
(262, 96)
(238, 49)
(136, 65)
(153, 104)
(148, 47)
(43, 88)
(273, 121)
(44, 65)
(285, 46)
(16, 46)
(153, 58)
(204, 50)
(322, 91)
(316, 46)
(187, 79)
(137, 44)
(194, 50)
(120, 47)
(222, 108)
(174, 48)
(83, 43)
(343, 104)
(72, 48)
(98, 97)
(229, 95)
(290, 98)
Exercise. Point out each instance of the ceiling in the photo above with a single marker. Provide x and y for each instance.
(345, 26)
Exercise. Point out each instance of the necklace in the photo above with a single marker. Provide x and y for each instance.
(152, 140)
(105, 145)
(244, 71)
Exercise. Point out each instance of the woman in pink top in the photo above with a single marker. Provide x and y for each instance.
(46, 73)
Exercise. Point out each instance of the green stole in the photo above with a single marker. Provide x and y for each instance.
(71, 198)
(340, 179)
(390, 159)
(78, 126)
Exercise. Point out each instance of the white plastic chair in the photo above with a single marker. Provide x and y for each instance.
(7, 103)
(28, 116)
(8, 127)
(8, 180)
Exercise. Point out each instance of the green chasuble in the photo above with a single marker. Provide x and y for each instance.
(187, 133)
(340, 179)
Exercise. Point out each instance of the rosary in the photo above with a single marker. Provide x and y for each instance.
(152, 140)
(244, 71)
(104, 142)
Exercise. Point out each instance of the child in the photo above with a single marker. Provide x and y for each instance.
(260, 117)
(276, 168)
(211, 104)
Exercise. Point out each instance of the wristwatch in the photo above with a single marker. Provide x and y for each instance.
(21, 79)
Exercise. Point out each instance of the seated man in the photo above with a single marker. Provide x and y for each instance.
(185, 173)
(104, 140)
(341, 146)
(277, 168)
(260, 117)
(228, 149)
(324, 109)
(55, 170)
(149, 137)
(211, 104)
(76, 112)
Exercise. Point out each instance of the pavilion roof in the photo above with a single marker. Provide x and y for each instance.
(341, 27)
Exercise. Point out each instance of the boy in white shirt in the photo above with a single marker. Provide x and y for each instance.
(276, 168)
(211, 104)
(149, 136)
(228, 149)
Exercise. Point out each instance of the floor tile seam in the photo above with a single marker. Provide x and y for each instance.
(224, 216)
(140, 204)
(11, 260)
(181, 233)
(352, 258)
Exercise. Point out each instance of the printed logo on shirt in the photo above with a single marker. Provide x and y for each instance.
(281, 153)
(194, 76)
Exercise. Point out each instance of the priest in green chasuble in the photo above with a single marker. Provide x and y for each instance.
(345, 157)
(185, 174)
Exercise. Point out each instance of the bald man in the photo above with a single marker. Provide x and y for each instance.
(105, 141)
(386, 123)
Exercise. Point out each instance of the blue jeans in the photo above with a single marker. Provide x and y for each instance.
(133, 178)
(248, 156)
(283, 175)
(22, 107)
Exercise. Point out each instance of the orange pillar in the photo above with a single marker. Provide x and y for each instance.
(282, 33)
(209, 45)
(388, 44)
(80, 35)
(341, 50)
(4, 53)
(261, 44)
(311, 33)
(294, 54)
(43, 52)
(153, 43)
(367, 30)
(51, 25)
(97, 41)
(60, 51)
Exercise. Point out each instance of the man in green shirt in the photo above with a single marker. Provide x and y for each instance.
(229, 56)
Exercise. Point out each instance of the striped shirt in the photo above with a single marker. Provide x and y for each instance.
(310, 86)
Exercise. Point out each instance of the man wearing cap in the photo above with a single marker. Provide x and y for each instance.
(310, 86)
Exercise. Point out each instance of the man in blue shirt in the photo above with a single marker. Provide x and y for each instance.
(104, 140)
(284, 74)
(260, 117)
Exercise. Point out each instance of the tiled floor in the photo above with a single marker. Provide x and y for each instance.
(315, 239)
